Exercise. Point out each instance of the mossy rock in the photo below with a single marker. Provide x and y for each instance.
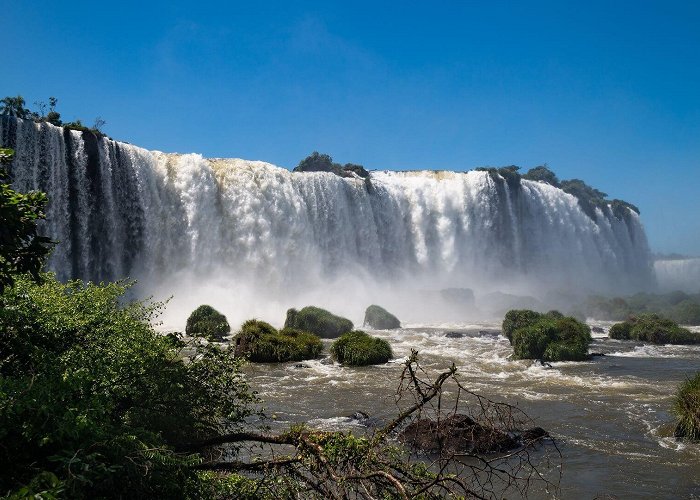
(551, 337)
(318, 321)
(654, 329)
(380, 319)
(260, 342)
(207, 322)
(687, 408)
(357, 348)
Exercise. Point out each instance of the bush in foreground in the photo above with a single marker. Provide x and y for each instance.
(94, 403)
(207, 322)
(687, 409)
(318, 321)
(262, 343)
(547, 337)
(653, 328)
(380, 319)
(360, 349)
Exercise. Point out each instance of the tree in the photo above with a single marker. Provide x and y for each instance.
(22, 249)
(14, 106)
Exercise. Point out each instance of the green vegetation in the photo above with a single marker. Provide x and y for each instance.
(518, 318)
(318, 162)
(15, 107)
(318, 321)
(547, 337)
(542, 174)
(22, 249)
(207, 322)
(678, 306)
(262, 343)
(510, 174)
(687, 408)
(380, 319)
(360, 349)
(653, 328)
(94, 403)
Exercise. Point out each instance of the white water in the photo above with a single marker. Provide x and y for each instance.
(253, 239)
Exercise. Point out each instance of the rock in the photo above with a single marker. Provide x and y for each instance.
(359, 415)
(534, 434)
(301, 365)
(318, 321)
(207, 322)
(456, 434)
(597, 329)
(454, 335)
(378, 318)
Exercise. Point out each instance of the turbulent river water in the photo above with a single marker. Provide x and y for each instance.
(610, 416)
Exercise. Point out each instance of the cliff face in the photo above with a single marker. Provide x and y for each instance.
(119, 210)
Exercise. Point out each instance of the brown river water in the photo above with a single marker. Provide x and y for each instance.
(610, 417)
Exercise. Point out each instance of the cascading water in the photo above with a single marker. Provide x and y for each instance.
(678, 274)
(253, 228)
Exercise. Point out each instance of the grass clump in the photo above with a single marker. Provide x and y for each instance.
(547, 337)
(653, 328)
(380, 319)
(318, 321)
(207, 322)
(360, 349)
(687, 408)
(262, 343)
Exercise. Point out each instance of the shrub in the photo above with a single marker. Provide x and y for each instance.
(262, 343)
(518, 318)
(653, 328)
(319, 321)
(687, 408)
(551, 338)
(94, 403)
(542, 174)
(380, 319)
(359, 349)
(207, 322)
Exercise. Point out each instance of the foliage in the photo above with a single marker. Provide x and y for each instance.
(588, 198)
(319, 162)
(357, 348)
(95, 403)
(14, 106)
(687, 409)
(22, 249)
(380, 319)
(207, 322)
(542, 174)
(549, 337)
(655, 329)
(518, 318)
(318, 321)
(261, 342)
(678, 306)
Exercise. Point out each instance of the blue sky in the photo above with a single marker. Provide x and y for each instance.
(608, 92)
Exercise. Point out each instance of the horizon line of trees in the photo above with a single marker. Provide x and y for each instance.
(16, 107)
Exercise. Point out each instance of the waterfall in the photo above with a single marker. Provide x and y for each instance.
(122, 211)
(678, 274)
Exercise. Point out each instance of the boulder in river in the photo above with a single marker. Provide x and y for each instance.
(318, 321)
(378, 318)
